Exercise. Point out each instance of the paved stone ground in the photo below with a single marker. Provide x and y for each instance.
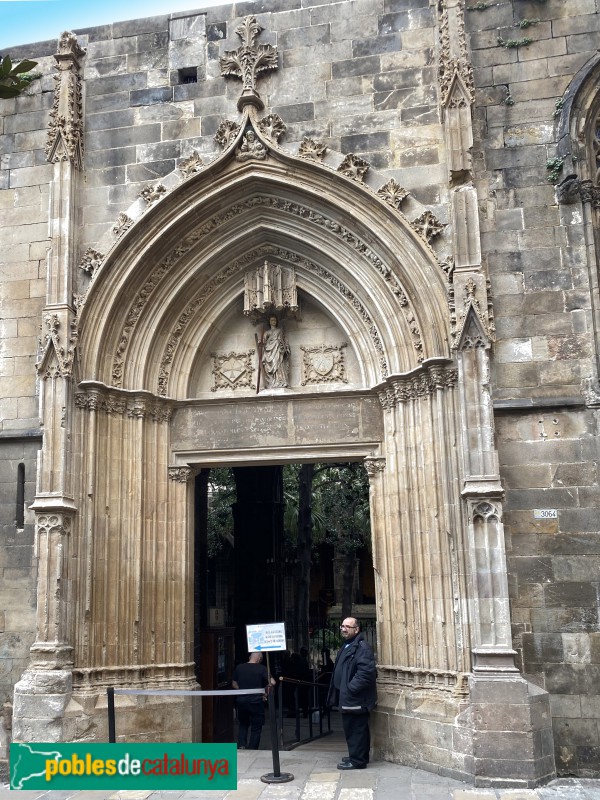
(316, 778)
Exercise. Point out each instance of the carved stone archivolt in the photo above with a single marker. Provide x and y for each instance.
(65, 132)
(233, 370)
(338, 230)
(323, 364)
(420, 383)
(239, 264)
(249, 61)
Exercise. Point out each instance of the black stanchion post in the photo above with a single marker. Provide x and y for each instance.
(112, 737)
(276, 776)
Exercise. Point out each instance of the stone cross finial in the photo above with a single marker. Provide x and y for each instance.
(248, 61)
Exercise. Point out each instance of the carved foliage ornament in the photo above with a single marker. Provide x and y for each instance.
(393, 193)
(354, 167)
(90, 261)
(421, 383)
(315, 151)
(180, 474)
(226, 133)
(191, 165)
(132, 406)
(123, 224)
(427, 225)
(249, 61)
(272, 126)
(65, 131)
(153, 193)
(233, 370)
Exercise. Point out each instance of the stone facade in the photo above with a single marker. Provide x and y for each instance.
(423, 173)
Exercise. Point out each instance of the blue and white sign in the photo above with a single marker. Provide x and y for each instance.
(267, 637)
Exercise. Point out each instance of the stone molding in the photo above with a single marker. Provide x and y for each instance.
(133, 404)
(249, 61)
(391, 678)
(91, 679)
(422, 382)
(65, 132)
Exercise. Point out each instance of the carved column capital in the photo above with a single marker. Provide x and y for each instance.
(374, 466)
(180, 474)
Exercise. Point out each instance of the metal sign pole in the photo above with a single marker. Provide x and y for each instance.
(276, 776)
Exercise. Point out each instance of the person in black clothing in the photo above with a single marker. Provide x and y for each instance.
(353, 689)
(250, 707)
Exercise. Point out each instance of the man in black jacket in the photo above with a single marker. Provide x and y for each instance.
(353, 690)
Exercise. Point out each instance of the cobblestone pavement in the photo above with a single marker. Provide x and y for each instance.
(316, 778)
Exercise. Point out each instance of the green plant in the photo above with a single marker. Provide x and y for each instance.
(554, 167)
(14, 79)
(526, 23)
(512, 43)
(558, 107)
(479, 7)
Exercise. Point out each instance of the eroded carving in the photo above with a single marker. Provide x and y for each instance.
(420, 383)
(153, 193)
(249, 61)
(226, 133)
(273, 127)
(374, 466)
(123, 224)
(315, 151)
(180, 474)
(233, 370)
(110, 401)
(354, 167)
(393, 193)
(190, 165)
(324, 364)
(251, 148)
(91, 261)
(428, 225)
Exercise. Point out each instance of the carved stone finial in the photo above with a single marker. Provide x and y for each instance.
(354, 167)
(248, 61)
(393, 193)
(311, 149)
(65, 132)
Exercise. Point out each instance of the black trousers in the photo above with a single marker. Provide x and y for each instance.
(250, 715)
(358, 737)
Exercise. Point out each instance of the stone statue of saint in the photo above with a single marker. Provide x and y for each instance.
(275, 354)
(251, 147)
